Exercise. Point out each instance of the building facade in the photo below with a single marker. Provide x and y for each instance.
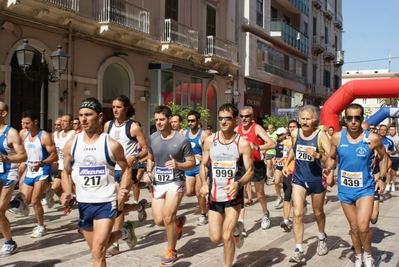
(277, 54)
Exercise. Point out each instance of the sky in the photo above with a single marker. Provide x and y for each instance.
(370, 34)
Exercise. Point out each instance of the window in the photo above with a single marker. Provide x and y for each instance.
(305, 26)
(326, 41)
(327, 78)
(273, 13)
(210, 21)
(172, 9)
(337, 82)
(314, 26)
(259, 12)
(314, 78)
(336, 43)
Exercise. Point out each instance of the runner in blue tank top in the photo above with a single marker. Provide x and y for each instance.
(354, 148)
(307, 177)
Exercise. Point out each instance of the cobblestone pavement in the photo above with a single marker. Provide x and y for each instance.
(64, 246)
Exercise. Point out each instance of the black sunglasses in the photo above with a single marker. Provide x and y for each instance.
(191, 120)
(245, 116)
(225, 118)
(357, 118)
(57, 124)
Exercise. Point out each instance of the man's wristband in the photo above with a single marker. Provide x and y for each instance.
(383, 178)
(239, 184)
(320, 156)
(41, 163)
(147, 172)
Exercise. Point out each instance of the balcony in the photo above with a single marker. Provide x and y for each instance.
(339, 61)
(175, 33)
(318, 45)
(329, 52)
(289, 35)
(283, 73)
(71, 5)
(328, 10)
(218, 48)
(318, 4)
(319, 90)
(123, 14)
(295, 6)
(338, 20)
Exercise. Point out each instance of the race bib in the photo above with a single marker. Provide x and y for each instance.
(301, 153)
(224, 169)
(280, 163)
(163, 174)
(92, 176)
(2, 170)
(351, 179)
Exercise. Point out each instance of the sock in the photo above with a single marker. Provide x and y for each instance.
(367, 254)
(116, 244)
(359, 256)
(286, 220)
(322, 236)
(9, 242)
(299, 247)
(14, 203)
(40, 226)
(124, 233)
(266, 212)
(241, 220)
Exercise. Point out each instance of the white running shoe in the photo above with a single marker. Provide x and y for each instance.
(265, 221)
(50, 198)
(239, 240)
(38, 231)
(8, 250)
(279, 203)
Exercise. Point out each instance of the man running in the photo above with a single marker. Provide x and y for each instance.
(228, 157)
(90, 159)
(169, 156)
(130, 135)
(196, 136)
(259, 141)
(12, 152)
(41, 153)
(355, 148)
(309, 146)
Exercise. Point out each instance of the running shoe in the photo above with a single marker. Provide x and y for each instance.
(142, 214)
(265, 221)
(249, 203)
(279, 203)
(38, 231)
(368, 261)
(8, 250)
(23, 209)
(298, 256)
(286, 225)
(112, 250)
(68, 208)
(358, 262)
(131, 238)
(202, 220)
(50, 198)
(170, 257)
(244, 233)
(239, 239)
(182, 220)
(322, 246)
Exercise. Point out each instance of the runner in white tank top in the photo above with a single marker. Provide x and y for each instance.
(92, 156)
(224, 156)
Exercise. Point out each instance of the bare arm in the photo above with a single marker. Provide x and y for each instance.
(136, 130)
(48, 144)
(269, 143)
(66, 178)
(204, 163)
(15, 142)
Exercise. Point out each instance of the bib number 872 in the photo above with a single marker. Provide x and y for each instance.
(92, 180)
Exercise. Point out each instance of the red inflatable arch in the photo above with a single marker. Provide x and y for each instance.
(347, 93)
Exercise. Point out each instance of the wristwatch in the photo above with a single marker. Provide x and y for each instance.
(383, 178)
(258, 148)
(239, 184)
(41, 163)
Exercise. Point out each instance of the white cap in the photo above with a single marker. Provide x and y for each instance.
(281, 131)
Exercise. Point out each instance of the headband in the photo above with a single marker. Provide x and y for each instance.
(92, 105)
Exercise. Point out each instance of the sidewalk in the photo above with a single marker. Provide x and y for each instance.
(64, 246)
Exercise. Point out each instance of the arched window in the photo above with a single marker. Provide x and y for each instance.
(116, 82)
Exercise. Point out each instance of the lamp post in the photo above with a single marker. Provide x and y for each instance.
(25, 54)
(232, 97)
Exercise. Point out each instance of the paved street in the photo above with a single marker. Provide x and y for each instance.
(63, 246)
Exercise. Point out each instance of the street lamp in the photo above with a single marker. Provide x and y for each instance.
(231, 96)
(25, 54)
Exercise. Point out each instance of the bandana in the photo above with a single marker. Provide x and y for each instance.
(92, 105)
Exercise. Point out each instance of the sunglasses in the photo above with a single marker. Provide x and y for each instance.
(372, 128)
(225, 118)
(191, 120)
(357, 118)
(245, 116)
(75, 123)
(57, 124)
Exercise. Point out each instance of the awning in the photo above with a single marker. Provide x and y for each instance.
(180, 69)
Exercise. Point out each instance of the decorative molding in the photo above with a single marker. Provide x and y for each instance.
(39, 13)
